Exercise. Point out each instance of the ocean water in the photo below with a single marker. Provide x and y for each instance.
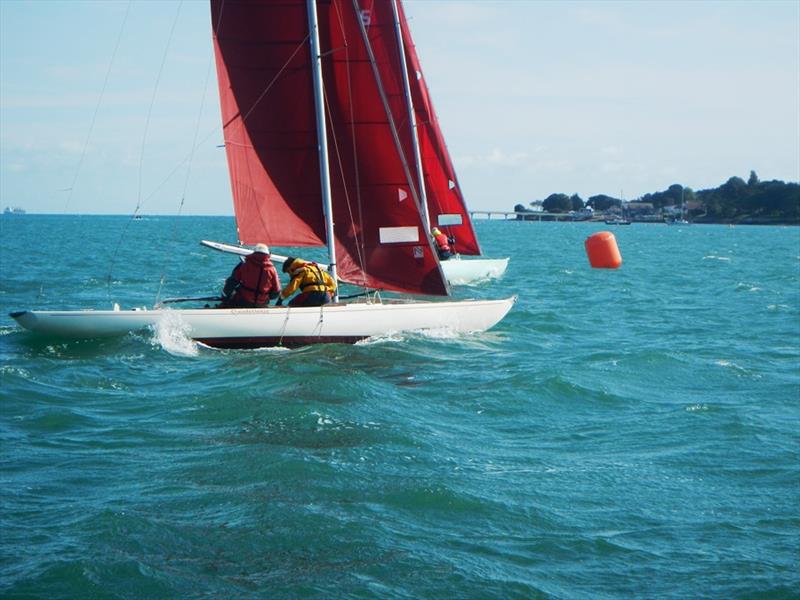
(621, 434)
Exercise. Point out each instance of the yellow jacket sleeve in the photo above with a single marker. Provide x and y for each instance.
(292, 287)
(329, 282)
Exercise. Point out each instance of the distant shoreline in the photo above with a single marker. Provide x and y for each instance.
(533, 216)
(476, 215)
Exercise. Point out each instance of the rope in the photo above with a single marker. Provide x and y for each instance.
(97, 108)
(285, 323)
(319, 323)
(359, 242)
(141, 156)
(186, 181)
(152, 103)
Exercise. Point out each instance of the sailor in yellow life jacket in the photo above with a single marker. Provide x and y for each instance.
(315, 284)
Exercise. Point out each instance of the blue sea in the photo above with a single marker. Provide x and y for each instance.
(629, 433)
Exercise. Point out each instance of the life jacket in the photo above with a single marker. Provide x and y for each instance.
(308, 277)
(257, 278)
(441, 242)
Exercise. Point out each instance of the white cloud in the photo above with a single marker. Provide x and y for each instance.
(501, 158)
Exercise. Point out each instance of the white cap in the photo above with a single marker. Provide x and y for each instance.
(263, 248)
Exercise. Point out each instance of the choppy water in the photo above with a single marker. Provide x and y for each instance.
(621, 434)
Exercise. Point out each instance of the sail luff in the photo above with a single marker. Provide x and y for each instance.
(423, 197)
(442, 188)
(396, 138)
(322, 136)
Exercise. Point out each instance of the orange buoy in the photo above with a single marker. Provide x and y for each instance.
(601, 248)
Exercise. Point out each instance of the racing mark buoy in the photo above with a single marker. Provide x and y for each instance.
(601, 248)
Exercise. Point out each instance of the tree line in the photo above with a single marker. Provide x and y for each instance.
(735, 201)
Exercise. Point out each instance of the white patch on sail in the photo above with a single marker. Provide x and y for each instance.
(395, 235)
(401, 194)
(419, 75)
(451, 184)
(366, 17)
(450, 219)
(172, 334)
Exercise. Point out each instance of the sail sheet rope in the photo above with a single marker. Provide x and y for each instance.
(97, 107)
(359, 242)
(141, 154)
(167, 254)
(111, 62)
(188, 159)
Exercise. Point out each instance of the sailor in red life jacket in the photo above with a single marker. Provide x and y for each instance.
(253, 282)
(442, 245)
(315, 284)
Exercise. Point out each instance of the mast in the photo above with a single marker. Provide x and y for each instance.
(412, 117)
(396, 137)
(322, 136)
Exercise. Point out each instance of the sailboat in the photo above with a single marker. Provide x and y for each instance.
(620, 218)
(680, 219)
(293, 75)
(441, 202)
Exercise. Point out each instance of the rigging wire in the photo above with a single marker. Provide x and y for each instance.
(97, 107)
(395, 135)
(359, 240)
(163, 277)
(141, 156)
(389, 118)
(152, 103)
(70, 189)
(195, 145)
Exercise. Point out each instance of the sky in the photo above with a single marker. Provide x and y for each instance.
(101, 102)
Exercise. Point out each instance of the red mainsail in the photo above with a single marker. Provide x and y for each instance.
(266, 94)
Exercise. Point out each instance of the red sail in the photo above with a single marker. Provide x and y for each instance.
(266, 96)
(442, 189)
(266, 91)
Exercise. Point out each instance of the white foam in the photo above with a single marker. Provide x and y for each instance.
(172, 334)
(715, 257)
(749, 287)
(441, 333)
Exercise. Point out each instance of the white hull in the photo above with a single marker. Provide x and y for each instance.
(462, 271)
(276, 326)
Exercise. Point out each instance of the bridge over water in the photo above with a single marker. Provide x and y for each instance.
(513, 216)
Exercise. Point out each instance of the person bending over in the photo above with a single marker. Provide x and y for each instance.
(442, 245)
(316, 286)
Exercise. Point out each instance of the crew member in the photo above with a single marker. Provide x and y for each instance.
(442, 245)
(253, 282)
(315, 284)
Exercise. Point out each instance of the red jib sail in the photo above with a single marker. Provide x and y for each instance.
(442, 189)
(269, 124)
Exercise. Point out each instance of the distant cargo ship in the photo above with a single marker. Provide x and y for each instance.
(14, 210)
